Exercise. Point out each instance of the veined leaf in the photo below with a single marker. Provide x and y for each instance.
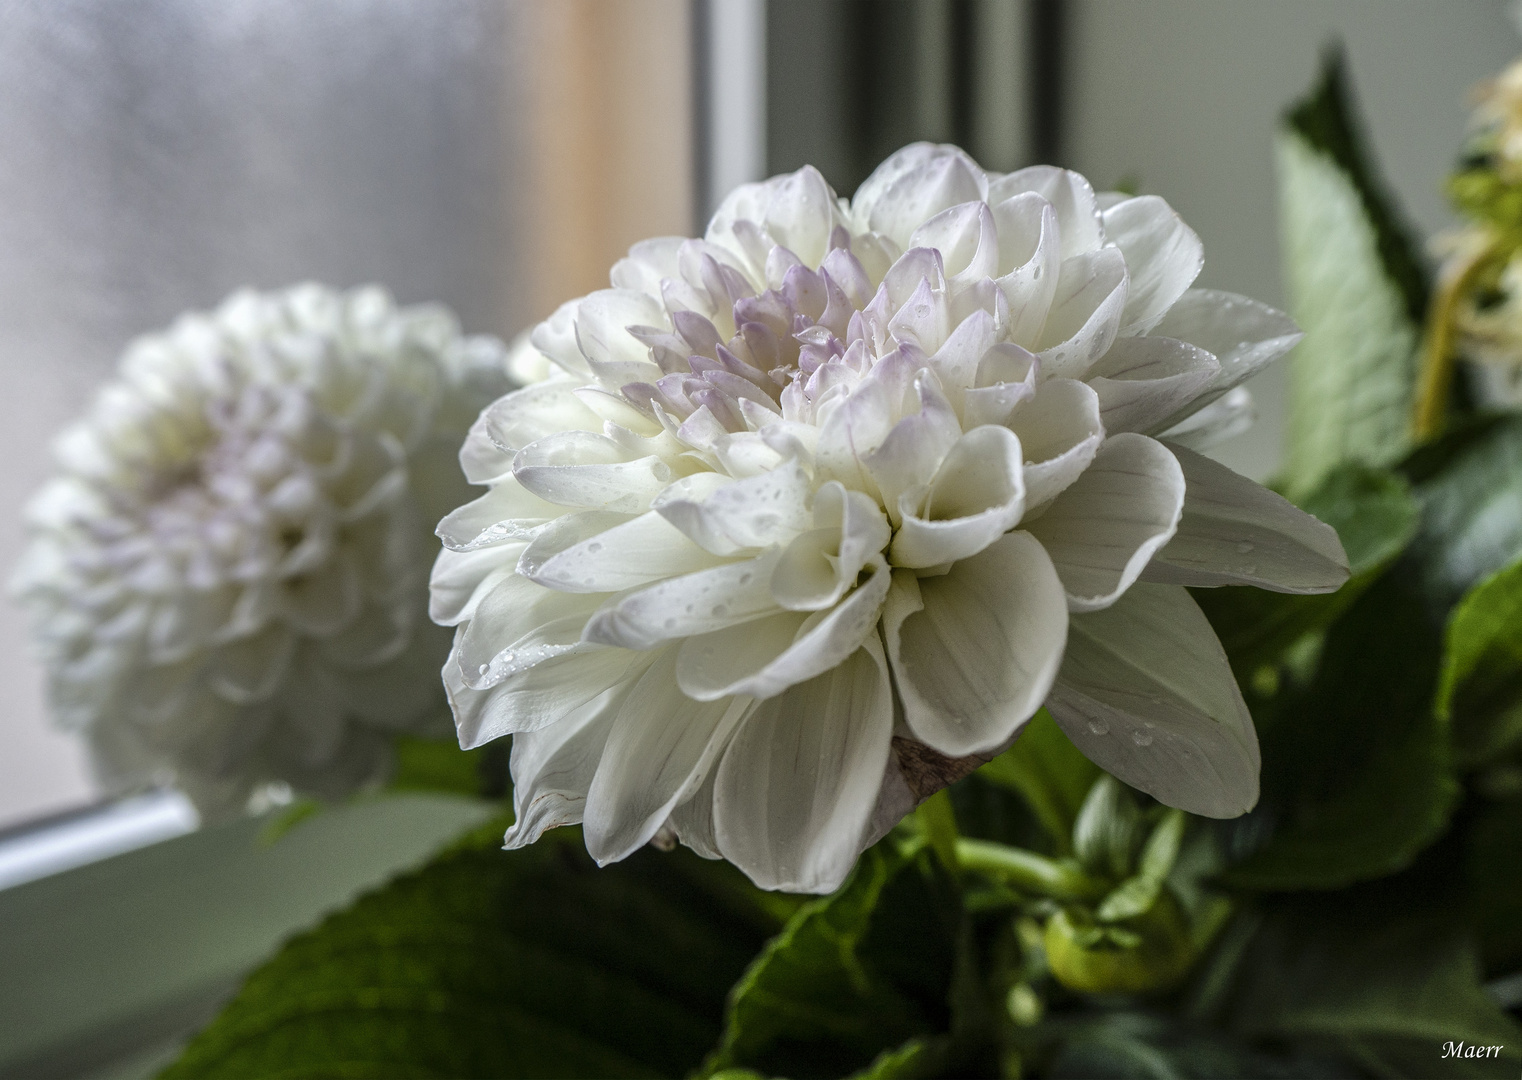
(1357, 770)
(851, 977)
(485, 963)
(1355, 287)
(1469, 486)
(1387, 988)
(1480, 690)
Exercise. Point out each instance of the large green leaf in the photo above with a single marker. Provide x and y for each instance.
(1375, 515)
(1480, 691)
(1357, 771)
(1363, 976)
(852, 976)
(1469, 486)
(490, 964)
(1495, 883)
(1355, 286)
(1051, 774)
(1153, 1046)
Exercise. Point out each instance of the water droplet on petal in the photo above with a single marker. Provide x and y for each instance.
(594, 546)
(1244, 547)
(1099, 727)
(1141, 738)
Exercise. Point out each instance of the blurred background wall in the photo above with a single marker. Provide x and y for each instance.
(498, 155)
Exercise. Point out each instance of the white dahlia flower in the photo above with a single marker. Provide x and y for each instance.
(228, 580)
(824, 506)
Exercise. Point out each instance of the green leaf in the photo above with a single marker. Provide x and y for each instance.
(1469, 486)
(1357, 974)
(1375, 515)
(1495, 876)
(484, 963)
(1149, 1046)
(1355, 286)
(440, 765)
(1357, 770)
(916, 1058)
(1480, 690)
(1051, 774)
(851, 975)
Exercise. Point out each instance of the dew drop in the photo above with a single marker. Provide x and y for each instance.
(719, 609)
(508, 658)
(594, 546)
(1141, 738)
(745, 579)
(484, 669)
(1244, 547)
(1099, 727)
(670, 623)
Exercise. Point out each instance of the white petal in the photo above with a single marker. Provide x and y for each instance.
(1147, 694)
(691, 604)
(1104, 528)
(796, 786)
(459, 577)
(818, 567)
(1006, 377)
(1030, 261)
(586, 469)
(1243, 334)
(913, 186)
(915, 446)
(728, 517)
(977, 496)
(763, 658)
(611, 559)
(537, 698)
(482, 460)
(556, 338)
(1060, 432)
(1085, 314)
(518, 625)
(553, 768)
(658, 753)
(527, 415)
(974, 651)
(1142, 381)
(1163, 257)
(1236, 532)
(802, 213)
(1227, 417)
(613, 354)
(647, 263)
(1071, 197)
(967, 239)
(505, 513)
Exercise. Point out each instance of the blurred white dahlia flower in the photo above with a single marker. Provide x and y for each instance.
(824, 506)
(228, 580)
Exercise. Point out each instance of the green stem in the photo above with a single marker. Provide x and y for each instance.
(1027, 871)
(1435, 364)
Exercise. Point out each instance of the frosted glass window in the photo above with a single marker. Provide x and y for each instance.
(155, 155)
